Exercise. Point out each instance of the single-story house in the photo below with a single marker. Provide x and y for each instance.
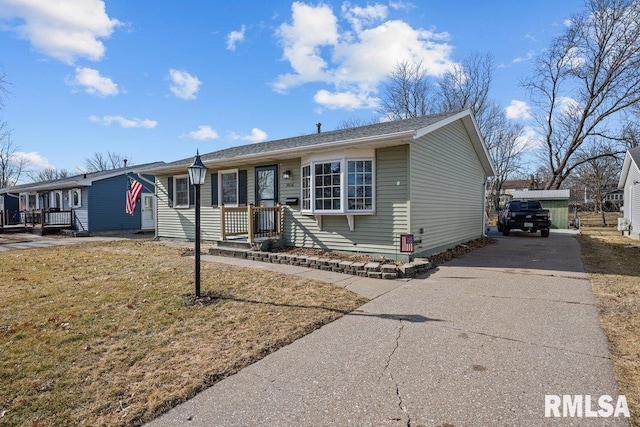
(89, 202)
(557, 201)
(419, 182)
(630, 183)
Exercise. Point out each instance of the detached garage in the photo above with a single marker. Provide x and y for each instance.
(557, 201)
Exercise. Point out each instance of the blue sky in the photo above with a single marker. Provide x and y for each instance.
(154, 81)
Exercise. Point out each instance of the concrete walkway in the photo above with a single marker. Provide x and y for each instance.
(480, 341)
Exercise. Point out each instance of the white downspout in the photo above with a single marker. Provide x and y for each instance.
(484, 207)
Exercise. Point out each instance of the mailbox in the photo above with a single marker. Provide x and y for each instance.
(291, 201)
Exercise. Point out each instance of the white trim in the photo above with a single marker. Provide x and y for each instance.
(73, 205)
(52, 199)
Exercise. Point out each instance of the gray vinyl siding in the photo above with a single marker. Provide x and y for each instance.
(376, 233)
(179, 223)
(447, 189)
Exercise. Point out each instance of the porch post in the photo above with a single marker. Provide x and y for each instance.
(222, 224)
(250, 223)
(279, 218)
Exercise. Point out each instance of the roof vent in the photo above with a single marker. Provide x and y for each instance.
(318, 125)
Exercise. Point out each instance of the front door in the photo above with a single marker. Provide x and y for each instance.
(267, 196)
(148, 211)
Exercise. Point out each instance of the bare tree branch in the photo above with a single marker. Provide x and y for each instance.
(101, 162)
(586, 81)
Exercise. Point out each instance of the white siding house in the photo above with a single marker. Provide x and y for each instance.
(630, 183)
(355, 190)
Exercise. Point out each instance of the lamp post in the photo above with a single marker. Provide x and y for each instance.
(197, 175)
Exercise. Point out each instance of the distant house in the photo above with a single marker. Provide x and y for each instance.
(359, 190)
(510, 186)
(91, 203)
(630, 183)
(557, 201)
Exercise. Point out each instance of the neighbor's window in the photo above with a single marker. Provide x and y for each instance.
(181, 191)
(56, 199)
(338, 186)
(228, 187)
(75, 198)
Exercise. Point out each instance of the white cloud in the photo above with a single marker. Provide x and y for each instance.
(256, 135)
(355, 55)
(235, 37)
(345, 100)
(518, 110)
(529, 140)
(203, 133)
(124, 122)
(62, 29)
(183, 84)
(93, 82)
(35, 160)
(568, 105)
(525, 58)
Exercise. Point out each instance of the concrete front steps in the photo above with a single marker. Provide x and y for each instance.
(377, 270)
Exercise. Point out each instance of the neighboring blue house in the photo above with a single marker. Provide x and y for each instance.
(90, 203)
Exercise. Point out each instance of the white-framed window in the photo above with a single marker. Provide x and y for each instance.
(75, 198)
(339, 185)
(359, 185)
(306, 187)
(56, 199)
(228, 187)
(181, 191)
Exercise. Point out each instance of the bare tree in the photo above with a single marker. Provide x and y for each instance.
(407, 92)
(102, 162)
(586, 80)
(11, 164)
(467, 85)
(354, 122)
(3, 87)
(599, 174)
(48, 174)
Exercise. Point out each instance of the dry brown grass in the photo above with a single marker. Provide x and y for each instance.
(593, 219)
(613, 262)
(103, 334)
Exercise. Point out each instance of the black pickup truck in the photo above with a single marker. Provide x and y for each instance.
(526, 215)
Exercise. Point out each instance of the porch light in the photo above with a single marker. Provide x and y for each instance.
(286, 174)
(197, 174)
(197, 171)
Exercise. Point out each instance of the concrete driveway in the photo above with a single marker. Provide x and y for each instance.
(480, 341)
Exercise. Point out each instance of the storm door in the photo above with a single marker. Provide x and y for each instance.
(266, 196)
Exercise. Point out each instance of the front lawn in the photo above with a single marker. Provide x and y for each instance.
(613, 263)
(106, 334)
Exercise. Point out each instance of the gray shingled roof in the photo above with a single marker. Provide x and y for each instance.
(635, 155)
(337, 136)
(75, 180)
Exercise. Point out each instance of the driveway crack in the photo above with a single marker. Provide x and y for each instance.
(390, 374)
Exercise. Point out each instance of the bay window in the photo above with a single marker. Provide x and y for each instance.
(337, 186)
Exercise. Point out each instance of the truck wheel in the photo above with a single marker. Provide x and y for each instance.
(544, 233)
(499, 226)
(505, 231)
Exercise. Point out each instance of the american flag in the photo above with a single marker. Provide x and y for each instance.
(134, 188)
(406, 243)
